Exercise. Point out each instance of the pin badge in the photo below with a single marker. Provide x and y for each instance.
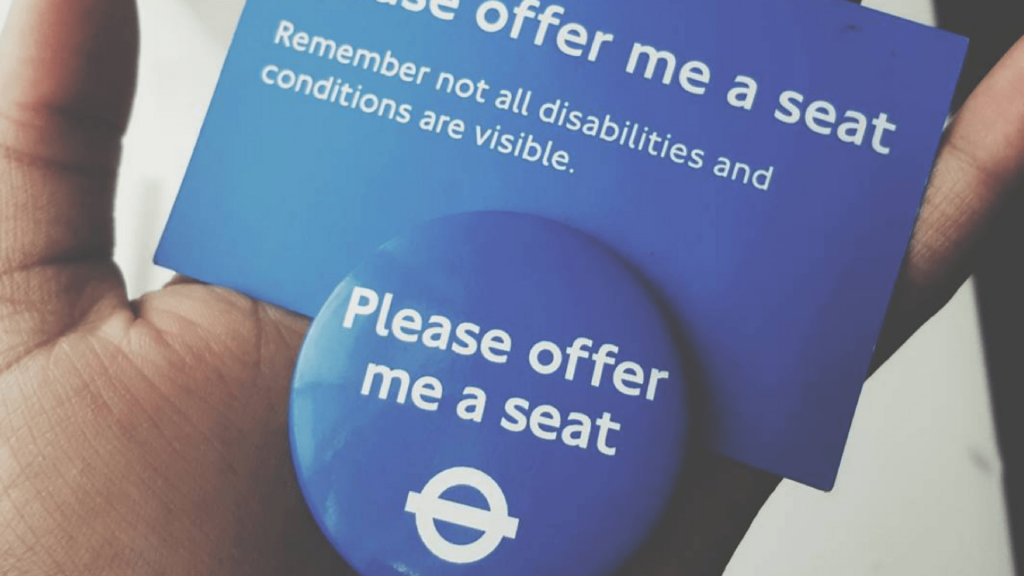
(493, 394)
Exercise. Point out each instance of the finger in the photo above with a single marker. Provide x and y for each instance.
(980, 164)
(67, 72)
(715, 506)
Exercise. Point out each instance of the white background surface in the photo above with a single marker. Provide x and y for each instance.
(920, 489)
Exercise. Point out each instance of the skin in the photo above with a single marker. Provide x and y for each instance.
(150, 437)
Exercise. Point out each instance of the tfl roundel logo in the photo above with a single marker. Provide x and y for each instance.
(495, 523)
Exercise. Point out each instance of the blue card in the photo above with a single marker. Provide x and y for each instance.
(761, 162)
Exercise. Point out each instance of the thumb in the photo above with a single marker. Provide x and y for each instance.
(71, 59)
(67, 79)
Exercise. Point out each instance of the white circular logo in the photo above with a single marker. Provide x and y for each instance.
(495, 523)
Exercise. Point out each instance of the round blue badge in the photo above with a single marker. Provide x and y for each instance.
(494, 394)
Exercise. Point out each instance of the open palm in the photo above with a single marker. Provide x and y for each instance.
(150, 437)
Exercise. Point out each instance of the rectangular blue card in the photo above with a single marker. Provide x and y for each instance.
(760, 161)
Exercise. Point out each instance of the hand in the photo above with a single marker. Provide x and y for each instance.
(150, 437)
